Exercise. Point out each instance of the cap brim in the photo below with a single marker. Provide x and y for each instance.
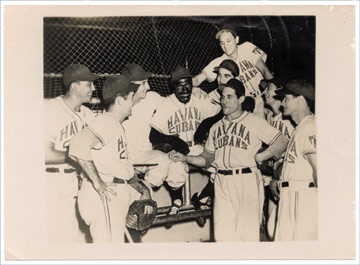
(90, 77)
(285, 91)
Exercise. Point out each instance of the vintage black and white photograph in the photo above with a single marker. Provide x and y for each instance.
(191, 127)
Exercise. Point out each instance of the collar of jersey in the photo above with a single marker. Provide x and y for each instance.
(178, 103)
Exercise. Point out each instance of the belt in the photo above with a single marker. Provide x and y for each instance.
(58, 170)
(244, 170)
(286, 184)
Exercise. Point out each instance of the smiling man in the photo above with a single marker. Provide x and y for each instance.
(250, 60)
(65, 116)
(233, 149)
(174, 124)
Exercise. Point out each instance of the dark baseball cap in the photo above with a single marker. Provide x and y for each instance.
(135, 72)
(277, 81)
(228, 65)
(117, 85)
(237, 85)
(78, 72)
(298, 87)
(225, 28)
(180, 73)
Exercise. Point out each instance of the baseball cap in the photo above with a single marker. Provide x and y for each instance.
(179, 73)
(135, 72)
(277, 81)
(78, 72)
(228, 65)
(225, 28)
(298, 87)
(237, 85)
(117, 85)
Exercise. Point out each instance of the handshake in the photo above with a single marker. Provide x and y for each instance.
(177, 156)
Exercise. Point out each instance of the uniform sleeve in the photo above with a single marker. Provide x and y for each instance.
(209, 69)
(103, 128)
(266, 133)
(309, 139)
(254, 52)
(159, 119)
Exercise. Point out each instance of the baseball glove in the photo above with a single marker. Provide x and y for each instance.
(137, 219)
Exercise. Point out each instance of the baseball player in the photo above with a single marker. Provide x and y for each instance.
(297, 187)
(137, 129)
(65, 116)
(227, 70)
(251, 62)
(101, 150)
(233, 146)
(174, 124)
(284, 124)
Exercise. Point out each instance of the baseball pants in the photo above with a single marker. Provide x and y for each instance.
(298, 212)
(238, 206)
(62, 222)
(92, 210)
(174, 174)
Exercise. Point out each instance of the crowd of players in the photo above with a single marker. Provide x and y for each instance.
(255, 135)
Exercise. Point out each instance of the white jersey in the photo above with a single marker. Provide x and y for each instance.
(235, 143)
(137, 126)
(302, 143)
(110, 156)
(175, 118)
(250, 76)
(62, 123)
(283, 124)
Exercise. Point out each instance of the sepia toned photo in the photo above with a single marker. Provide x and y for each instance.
(162, 131)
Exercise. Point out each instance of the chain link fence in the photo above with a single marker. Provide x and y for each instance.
(159, 44)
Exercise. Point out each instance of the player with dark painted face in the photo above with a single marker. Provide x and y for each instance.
(183, 89)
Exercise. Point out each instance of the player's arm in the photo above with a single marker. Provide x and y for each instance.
(80, 150)
(198, 79)
(203, 160)
(261, 66)
(313, 162)
(53, 156)
(275, 149)
(173, 142)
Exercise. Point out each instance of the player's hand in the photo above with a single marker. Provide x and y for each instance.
(199, 93)
(103, 189)
(274, 189)
(176, 156)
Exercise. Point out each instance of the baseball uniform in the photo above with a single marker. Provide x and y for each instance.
(175, 118)
(137, 129)
(298, 209)
(284, 125)
(111, 159)
(250, 76)
(239, 192)
(61, 124)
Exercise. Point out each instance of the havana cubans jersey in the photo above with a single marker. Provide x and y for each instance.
(250, 76)
(283, 124)
(236, 142)
(302, 142)
(62, 123)
(110, 156)
(175, 118)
